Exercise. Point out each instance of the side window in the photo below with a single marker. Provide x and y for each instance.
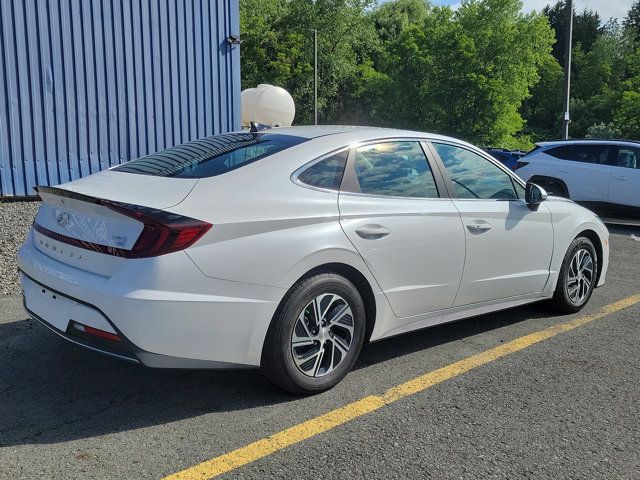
(474, 176)
(397, 169)
(598, 154)
(326, 173)
(628, 157)
(519, 189)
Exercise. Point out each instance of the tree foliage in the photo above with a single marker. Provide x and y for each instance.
(604, 68)
(632, 20)
(486, 71)
(466, 73)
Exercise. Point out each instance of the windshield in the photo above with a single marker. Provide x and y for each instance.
(210, 156)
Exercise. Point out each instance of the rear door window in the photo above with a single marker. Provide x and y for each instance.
(596, 154)
(211, 156)
(398, 169)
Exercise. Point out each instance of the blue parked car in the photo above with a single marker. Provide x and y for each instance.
(508, 158)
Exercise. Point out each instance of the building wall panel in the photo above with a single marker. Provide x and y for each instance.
(88, 84)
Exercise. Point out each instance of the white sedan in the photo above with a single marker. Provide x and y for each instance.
(287, 249)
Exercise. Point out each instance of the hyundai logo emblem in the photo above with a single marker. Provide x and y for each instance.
(62, 219)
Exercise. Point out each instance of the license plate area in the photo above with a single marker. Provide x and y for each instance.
(50, 306)
(58, 310)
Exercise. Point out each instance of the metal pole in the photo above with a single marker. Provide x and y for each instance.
(315, 76)
(567, 68)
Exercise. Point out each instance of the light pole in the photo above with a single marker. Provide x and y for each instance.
(315, 76)
(567, 68)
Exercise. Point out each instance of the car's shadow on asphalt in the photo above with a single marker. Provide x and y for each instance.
(52, 391)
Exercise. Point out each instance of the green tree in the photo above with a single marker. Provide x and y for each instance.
(626, 115)
(602, 65)
(632, 20)
(466, 73)
(597, 79)
(603, 130)
(278, 49)
(586, 28)
(543, 109)
(392, 18)
(484, 72)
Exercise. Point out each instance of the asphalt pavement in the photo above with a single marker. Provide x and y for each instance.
(567, 407)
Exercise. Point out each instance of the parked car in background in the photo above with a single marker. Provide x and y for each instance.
(604, 175)
(507, 157)
(518, 153)
(286, 249)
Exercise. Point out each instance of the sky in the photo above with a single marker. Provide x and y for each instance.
(606, 9)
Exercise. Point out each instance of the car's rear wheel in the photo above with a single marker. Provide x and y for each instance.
(577, 277)
(315, 336)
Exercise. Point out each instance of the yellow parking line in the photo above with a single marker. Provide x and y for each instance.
(266, 446)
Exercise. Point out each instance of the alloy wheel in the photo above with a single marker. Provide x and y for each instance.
(580, 276)
(322, 335)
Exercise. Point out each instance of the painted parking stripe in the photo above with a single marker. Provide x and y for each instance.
(303, 431)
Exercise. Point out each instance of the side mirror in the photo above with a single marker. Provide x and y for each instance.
(534, 195)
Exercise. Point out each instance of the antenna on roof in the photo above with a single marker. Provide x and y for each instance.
(259, 127)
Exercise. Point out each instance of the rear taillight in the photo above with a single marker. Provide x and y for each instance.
(163, 232)
(520, 165)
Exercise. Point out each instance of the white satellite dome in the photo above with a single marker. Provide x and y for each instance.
(268, 105)
(247, 100)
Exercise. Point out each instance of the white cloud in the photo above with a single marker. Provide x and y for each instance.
(607, 9)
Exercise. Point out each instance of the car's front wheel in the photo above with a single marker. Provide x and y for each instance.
(316, 335)
(577, 277)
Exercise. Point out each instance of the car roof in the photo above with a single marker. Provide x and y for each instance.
(355, 133)
(586, 141)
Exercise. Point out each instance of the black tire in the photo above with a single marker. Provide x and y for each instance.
(278, 363)
(562, 301)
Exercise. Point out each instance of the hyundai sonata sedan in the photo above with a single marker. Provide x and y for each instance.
(287, 249)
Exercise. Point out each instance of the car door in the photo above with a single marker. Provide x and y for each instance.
(410, 237)
(584, 168)
(508, 245)
(624, 188)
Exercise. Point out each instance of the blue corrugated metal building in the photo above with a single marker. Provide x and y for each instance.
(87, 84)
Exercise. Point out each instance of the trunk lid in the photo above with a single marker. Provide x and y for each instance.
(74, 227)
(147, 190)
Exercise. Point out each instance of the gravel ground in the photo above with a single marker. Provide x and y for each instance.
(15, 220)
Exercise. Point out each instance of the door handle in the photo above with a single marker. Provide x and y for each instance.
(620, 177)
(479, 227)
(372, 232)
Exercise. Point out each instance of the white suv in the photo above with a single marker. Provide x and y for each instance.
(603, 174)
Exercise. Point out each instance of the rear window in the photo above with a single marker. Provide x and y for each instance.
(326, 173)
(210, 156)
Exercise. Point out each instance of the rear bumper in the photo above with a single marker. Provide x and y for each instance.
(167, 313)
(119, 353)
(123, 350)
